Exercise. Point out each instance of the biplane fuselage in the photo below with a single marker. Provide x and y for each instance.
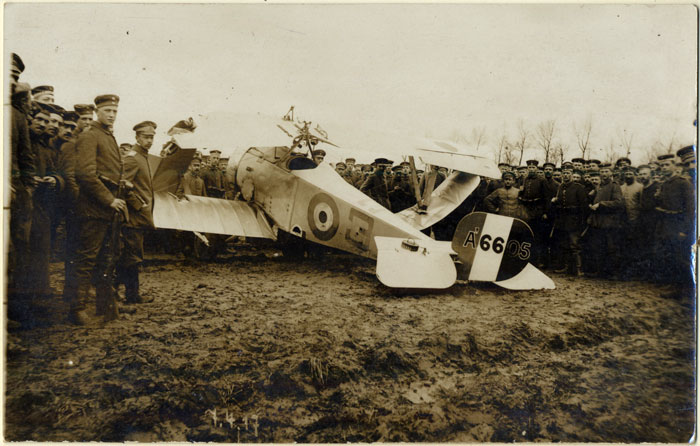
(315, 203)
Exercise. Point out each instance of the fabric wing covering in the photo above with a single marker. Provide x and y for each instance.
(209, 215)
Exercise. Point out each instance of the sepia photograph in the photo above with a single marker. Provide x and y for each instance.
(331, 223)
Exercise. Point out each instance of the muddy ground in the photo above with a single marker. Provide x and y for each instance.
(320, 351)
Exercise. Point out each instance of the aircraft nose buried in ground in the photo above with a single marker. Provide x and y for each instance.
(287, 196)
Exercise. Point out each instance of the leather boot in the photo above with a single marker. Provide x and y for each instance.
(111, 308)
(106, 302)
(131, 283)
(577, 265)
(78, 312)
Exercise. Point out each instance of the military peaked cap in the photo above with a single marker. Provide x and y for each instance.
(532, 162)
(578, 160)
(84, 109)
(70, 116)
(105, 100)
(507, 173)
(42, 89)
(347, 160)
(318, 152)
(686, 154)
(340, 164)
(17, 63)
(549, 164)
(667, 156)
(146, 127)
(215, 151)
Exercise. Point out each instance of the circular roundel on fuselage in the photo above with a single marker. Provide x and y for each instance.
(323, 216)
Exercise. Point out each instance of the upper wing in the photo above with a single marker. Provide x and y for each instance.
(374, 144)
(210, 215)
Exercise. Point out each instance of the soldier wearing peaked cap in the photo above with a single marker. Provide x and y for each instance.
(98, 171)
(85, 114)
(676, 208)
(43, 94)
(318, 156)
(533, 196)
(22, 171)
(375, 184)
(687, 157)
(605, 222)
(212, 176)
(66, 204)
(17, 67)
(140, 203)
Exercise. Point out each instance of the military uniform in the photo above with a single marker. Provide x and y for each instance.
(140, 203)
(376, 188)
(191, 184)
(605, 223)
(97, 155)
(214, 181)
(21, 207)
(570, 205)
(676, 209)
(504, 201)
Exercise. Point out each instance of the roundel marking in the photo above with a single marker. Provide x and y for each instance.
(323, 216)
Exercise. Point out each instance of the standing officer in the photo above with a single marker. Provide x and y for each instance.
(604, 222)
(646, 222)
(98, 169)
(68, 201)
(49, 184)
(571, 202)
(533, 195)
(676, 208)
(212, 176)
(22, 185)
(140, 203)
(375, 184)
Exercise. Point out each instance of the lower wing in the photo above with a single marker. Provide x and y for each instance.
(209, 215)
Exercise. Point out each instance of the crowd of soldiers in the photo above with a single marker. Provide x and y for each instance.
(603, 220)
(69, 176)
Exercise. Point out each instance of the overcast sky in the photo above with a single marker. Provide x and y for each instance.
(440, 69)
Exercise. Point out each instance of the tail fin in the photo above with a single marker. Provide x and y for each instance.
(496, 248)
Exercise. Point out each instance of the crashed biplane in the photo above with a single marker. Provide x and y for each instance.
(285, 194)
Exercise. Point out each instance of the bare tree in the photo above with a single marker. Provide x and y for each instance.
(522, 142)
(478, 136)
(559, 153)
(626, 141)
(583, 137)
(610, 152)
(545, 138)
(504, 151)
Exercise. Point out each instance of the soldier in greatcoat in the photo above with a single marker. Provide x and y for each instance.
(570, 203)
(82, 115)
(676, 211)
(604, 224)
(140, 204)
(375, 184)
(98, 168)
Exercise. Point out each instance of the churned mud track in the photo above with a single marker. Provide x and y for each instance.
(319, 351)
